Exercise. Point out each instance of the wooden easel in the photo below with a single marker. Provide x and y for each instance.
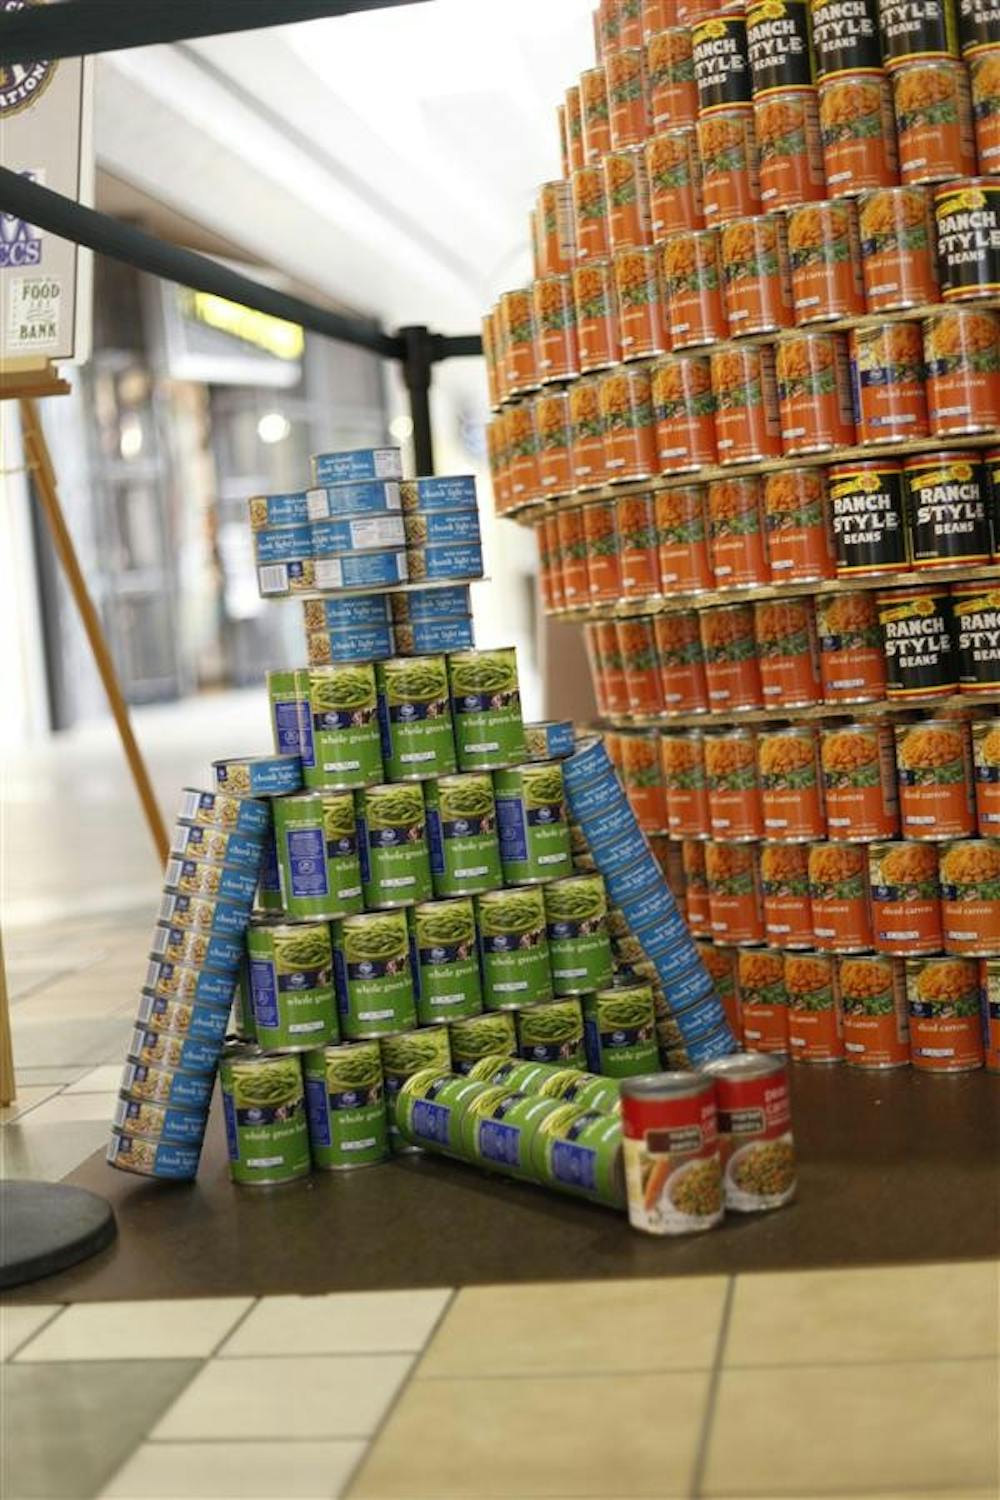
(25, 386)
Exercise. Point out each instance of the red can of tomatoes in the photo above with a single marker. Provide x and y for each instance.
(555, 328)
(626, 406)
(859, 782)
(791, 153)
(873, 1003)
(857, 132)
(790, 787)
(692, 283)
(736, 532)
(682, 536)
(730, 170)
(573, 551)
(797, 523)
(970, 906)
(736, 911)
(838, 891)
(682, 409)
(640, 310)
(815, 1029)
(760, 975)
(757, 287)
(626, 192)
(523, 477)
(637, 643)
(933, 121)
(670, 1143)
(673, 94)
(682, 670)
(587, 435)
(674, 173)
(897, 248)
(628, 112)
(784, 872)
(642, 777)
(906, 898)
(683, 759)
(729, 650)
(945, 1026)
(887, 367)
(755, 1131)
(734, 807)
(851, 660)
(596, 128)
(962, 354)
(814, 392)
(555, 443)
(604, 572)
(824, 250)
(747, 418)
(696, 888)
(635, 517)
(596, 321)
(590, 213)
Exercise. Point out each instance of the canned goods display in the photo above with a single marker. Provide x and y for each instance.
(415, 718)
(824, 249)
(814, 392)
(838, 893)
(875, 1015)
(736, 913)
(692, 288)
(905, 898)
(736, 533)
(887, 369)
(791, 792)
(626, 411)
(784, 873)
(673, 168)
(868, 517)
(857, 127)
(934, 769)
(760, 975)
(732, 786)
(787, 653)
(799, 536)
(897, 244)
(747, 417)
(815, 1022)
(859, 782)
(962, 354)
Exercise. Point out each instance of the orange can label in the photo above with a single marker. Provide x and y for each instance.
(692, 281)
(970, 896)
(519, 340)
(626, 190)
(637, 643)
(627, 422)
(851, 662)
(674, 174)
(636, 520)
(596, 324)
(791, 797)
(897, 247)
(673, 94)
(763, 1001)
(683, 761)
(875, 1019)
(756, 276)
(799, 540)
(628, 114)
(945, 1025)
(857, 133)
(736, 533)
(573, 551)
(696, 901)
(555, 228)
(640, 311)
(596, 128)
(642, 774)
(629, 14)
(729, 650)
(933, 121)
(962, 353)
(815, 1032)
(555, 467)
(603, 558)
(814, 392)
(838, 890)
(590, 213)
(906, 898)
(721, 965)
(553, 548)
(824, 251)
(682, 412)
(555, 327)
(887, 366)
(791, 157)
(747, 419)
(682, 539)
(784, 872)
(986, 757)
(984, 75)
(682, 671)
(934, 768)
(612, 662)
(734, 898)
(785, 631)
(586, 433)
(734, 808)
(859, 782)
(522, 452)
(730, 172)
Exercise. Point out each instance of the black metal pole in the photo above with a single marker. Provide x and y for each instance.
(418, 359)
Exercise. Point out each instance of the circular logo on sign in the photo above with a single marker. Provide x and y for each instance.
(22, 83)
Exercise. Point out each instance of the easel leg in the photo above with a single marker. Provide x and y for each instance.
(8, 1090)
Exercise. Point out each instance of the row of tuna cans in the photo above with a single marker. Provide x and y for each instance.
(372, 627)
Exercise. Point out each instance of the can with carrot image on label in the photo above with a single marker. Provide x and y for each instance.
(887, 369)
(696, 899)
(692, 288)
(906, 898)
(986, 761)
(745, 391)
(595, 127)
(824, 250)
(555, 452)
(635, 517)
(933, 121)
(590, 213)
(682, 539)
(682, 667)
(637, 643)
(643, 779)
(626, 407)
(857, 132)
(602, 550)
(814, 392)
(683, 759)
(674, 171)
(787, 652)
(721, 965)
(640, 310)
(612, 660)
(851, 663)
(757, 288)
(555, 328)
(918, 641)
(519, 341)
(947, 502)
(673, 1174)
(573, 552)
(763, 1000)
(976, 613)
(730, 166)
(790, 148)
(859, 782)
(962, 356)
(596, 323)
(838, 891)
(626, 193)
(734, 805)
(944, 1012)
(989, 971)
(790, 788)
(897, 247)
(815, 1024)
(673, 93)
(796, 519)
(784, 872)
(934, 768)
(736, 533)
(735, 905)
(868, 517)
(875, 1017)
(730, 653)
(683, 405)
(970, 897)
(628, 113)
(555, 228)
(586, 433)
(984, 80)
(523, 477)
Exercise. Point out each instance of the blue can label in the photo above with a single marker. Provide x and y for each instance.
(655, 905)
(364, 611)
(632, 883)
(453, 562)
(597, 795)
(610, 823)
(448, 526)
(270, 880)
(590, 761)
(695, 1009)
(574, 1166)
(431, 1122)
(440, 492)
(317, 1112)
(232, 1134)
(278, 510)
(431, 636)
(286, 727)
(173, 1162)
(363, 643)
(264, 992)
(357, 463)
(167, 1086)
(230, 921)
(672, 961)
(512, 829)
(614, 860)
(306, 849)
(499, 1142)
(719, 1044)
(435, 604)
(283, 544)
(178, 1126)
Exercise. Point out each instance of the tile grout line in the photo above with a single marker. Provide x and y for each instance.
(708, 1415)
(61, 1308)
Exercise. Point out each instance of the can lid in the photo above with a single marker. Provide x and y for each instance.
(662, 1086)
(745, 1065)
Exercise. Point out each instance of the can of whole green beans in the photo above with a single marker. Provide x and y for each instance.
(291, 720)
(291, 985)
(343, 706)
(346, 1104)
(513, 1074)
(462, 831)
(552, 1033)
(429, 1108)
(585, 1090)
(414, 714)
(486, 706)
(531, 815)
(620, 1027)
(481, 1036)
(580, 1151)
(264, 1105)
(497, 1129)
(513, 948)
(267, 897)
(404, 1055)
(371, 961)
(444, 934)
(577, 928)
(392, 841)
(319, 867)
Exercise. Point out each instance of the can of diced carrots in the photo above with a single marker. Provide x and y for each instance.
(496, 447)
(897, 248)
(642, 776)
(784, 872)
(851, 663)
(962, 354)
(859, 782)
(626, 407)
(814, 392)
(906, 898)
(523, 478)
(592, 645)
(640, 311)
(873, 1005)
(596, 322)
(626, 192)
(734, 808)
(519, 341)
(628, 114)
(555, 443)
(553, 547)
(682, 410)
(556, 249)
(555, 328)
(815, 1026)
(696, 903)
(975, 610)
(918, 641)
(747, 417)
(984, 79)
(757, 287)
(630, 32)
(612, 667)
(736, 532)
(674, 172)
(604, 573)
(948, 510)
(574, 126)
(824, 251)
(867, 511)
(946, 1033)
(797, 521)
(730, 168)
(586, 434)
(682, 539)
(736, 912)
(934, 768)
(637, 643)
(683, 758)
(692, 288)
(721, 964)
(790, 790)
(682, 669)
(790, 147)
(544, 568)
(986, 760)
(596, 131)
(970, 897)
(635, 516)
(787, 652)
(857, 129)
(887, 368)
(590, 213)
(673, 94)
(838, 891)
(573, 551)
(760, 975)
(933, 121)
(657, 15)
(731, 671)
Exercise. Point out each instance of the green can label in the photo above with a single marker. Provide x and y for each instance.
(264, 1104)
(579, 1151)
(319, 865)
(371, 958)
(552, 1033)
(402, 1056)
(346, 747)
(513, 948)
(481, 1036)
(531, 815)
(498, 1128)
(462, 830)
(414, 714)
(392, 835)
(291, 986)
(486, 706)
(346, 1105)
(526, 1076)
(444, 935)
(577, 929)
(621, 1031)
(430, 1106)
(583, 1090)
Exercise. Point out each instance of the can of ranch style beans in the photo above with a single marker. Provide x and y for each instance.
(264, 1105)
(346, 1104)
(486, 707)
(415, 718)
(291, 984)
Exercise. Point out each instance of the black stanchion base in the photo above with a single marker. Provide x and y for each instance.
(47, 1226)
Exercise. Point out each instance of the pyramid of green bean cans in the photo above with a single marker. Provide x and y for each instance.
(428, 884)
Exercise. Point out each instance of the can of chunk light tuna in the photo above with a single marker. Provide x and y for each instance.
(444, 934)
(171, 1161)
(264, 1106)
(415, 718)
(239, 815)
(755, 1131)
(671, 1150)
(319, 867)
(514, 948)
(375, 988)
(346, 1106)
(486, 705)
